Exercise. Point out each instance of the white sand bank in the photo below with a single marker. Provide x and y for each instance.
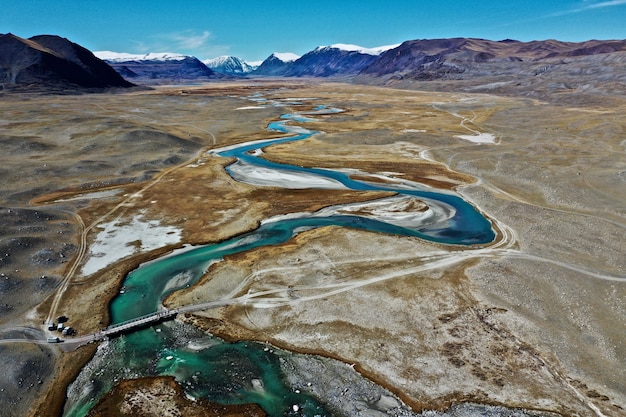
(403, 211)
(262, 176)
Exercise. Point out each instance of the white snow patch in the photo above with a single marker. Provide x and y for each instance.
(91, 196)
(152, 56)
(490, 86)
(356, 48)
(479, 138)
(286, 56)
(119, 239)
(220, 60)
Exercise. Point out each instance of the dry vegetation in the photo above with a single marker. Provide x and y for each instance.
(509, 330)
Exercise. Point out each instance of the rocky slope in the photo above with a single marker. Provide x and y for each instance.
(53, 61)
(447, 58)
(507, 66)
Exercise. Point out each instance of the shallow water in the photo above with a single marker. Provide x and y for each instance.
(241, 372)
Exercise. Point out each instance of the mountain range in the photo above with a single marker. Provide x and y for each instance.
(490, 66)
(442, 58)
(333, 60)
(436, 58)
(482, 65)
(157, 67)
(535, 69)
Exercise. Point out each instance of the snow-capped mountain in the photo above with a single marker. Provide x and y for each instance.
(230, 65)
(323, 61)
(356, 48)
(276, 64)
(156, 67)
(338, 59)
(110, 56)
(285, 56)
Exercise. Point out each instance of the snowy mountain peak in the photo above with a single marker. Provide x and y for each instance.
(356, 48)
(286, 56)
(229, 65)
(153, 56)
(219, 60)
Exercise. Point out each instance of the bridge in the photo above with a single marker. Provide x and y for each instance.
(136, 323)
(161, 315)
(144, 321)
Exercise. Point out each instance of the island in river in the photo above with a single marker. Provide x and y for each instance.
(528, 319)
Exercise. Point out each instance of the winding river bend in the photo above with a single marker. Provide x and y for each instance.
(250, 372)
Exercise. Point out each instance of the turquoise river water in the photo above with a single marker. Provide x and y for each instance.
(223, 372)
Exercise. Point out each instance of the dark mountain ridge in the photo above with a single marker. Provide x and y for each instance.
(49, 60)
(441, 57)
(536, 69)
(328, 61)
(187, 68)
(272, 66)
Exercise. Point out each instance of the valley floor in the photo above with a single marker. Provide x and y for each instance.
(533, 320)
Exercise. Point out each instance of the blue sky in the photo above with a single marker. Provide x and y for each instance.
(252, 30)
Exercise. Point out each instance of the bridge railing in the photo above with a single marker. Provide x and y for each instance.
(139, 320)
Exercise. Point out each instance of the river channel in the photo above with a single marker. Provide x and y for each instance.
(246, 372)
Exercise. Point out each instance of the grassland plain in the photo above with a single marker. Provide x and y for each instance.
(535, 320)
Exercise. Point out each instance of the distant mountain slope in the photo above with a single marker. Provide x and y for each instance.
(53, 61)
(449, 58)
(330, 60)
(276, 64)
(229, 65)
(537, 69)
(157, 67)
(117, 57)
(323, 61)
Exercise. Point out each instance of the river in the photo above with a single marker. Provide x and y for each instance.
(245, 372)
